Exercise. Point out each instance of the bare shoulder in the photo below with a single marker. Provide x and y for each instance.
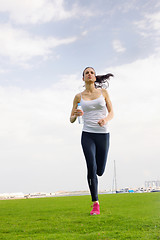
(77, 98)
(105, 93)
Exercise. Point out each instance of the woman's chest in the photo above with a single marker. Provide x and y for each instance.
(96, 104)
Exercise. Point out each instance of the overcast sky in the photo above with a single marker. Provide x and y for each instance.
(44, 47)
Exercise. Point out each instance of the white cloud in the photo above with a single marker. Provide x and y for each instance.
(118, 47)
(149, 25)
(20, 46)
(135, 128)
(127, 6)
(40, 11)
(154, 20)
(84, 33)
(139, 85)
(35, 135)
(3, 71)
(35, 11)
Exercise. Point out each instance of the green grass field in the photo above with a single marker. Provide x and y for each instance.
(123, 216)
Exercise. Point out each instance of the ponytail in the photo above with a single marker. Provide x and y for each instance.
(102, 80)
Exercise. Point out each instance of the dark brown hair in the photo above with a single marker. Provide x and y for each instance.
(101, 80)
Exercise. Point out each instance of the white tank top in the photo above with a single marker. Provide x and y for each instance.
(94, 110)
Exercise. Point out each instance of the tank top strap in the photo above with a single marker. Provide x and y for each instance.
(101, 92)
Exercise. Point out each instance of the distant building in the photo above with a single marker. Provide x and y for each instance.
(152, 184)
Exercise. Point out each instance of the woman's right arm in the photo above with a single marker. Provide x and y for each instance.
(75, 112)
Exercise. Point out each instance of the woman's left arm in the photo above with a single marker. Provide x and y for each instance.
(110, 114)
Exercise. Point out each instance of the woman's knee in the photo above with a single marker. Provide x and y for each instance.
(100, 172)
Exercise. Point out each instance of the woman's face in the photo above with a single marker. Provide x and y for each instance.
(89, 75)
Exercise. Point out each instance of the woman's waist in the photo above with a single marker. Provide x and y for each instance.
(96, 128)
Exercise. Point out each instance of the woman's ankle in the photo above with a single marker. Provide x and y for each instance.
(95, 202)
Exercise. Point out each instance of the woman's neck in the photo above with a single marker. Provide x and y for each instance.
(90, 87)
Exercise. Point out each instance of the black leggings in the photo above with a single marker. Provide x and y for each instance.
(95, 147)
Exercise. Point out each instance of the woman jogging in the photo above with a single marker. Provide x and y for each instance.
(97, 111)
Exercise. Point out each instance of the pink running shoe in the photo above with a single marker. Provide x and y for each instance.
(95, 210)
